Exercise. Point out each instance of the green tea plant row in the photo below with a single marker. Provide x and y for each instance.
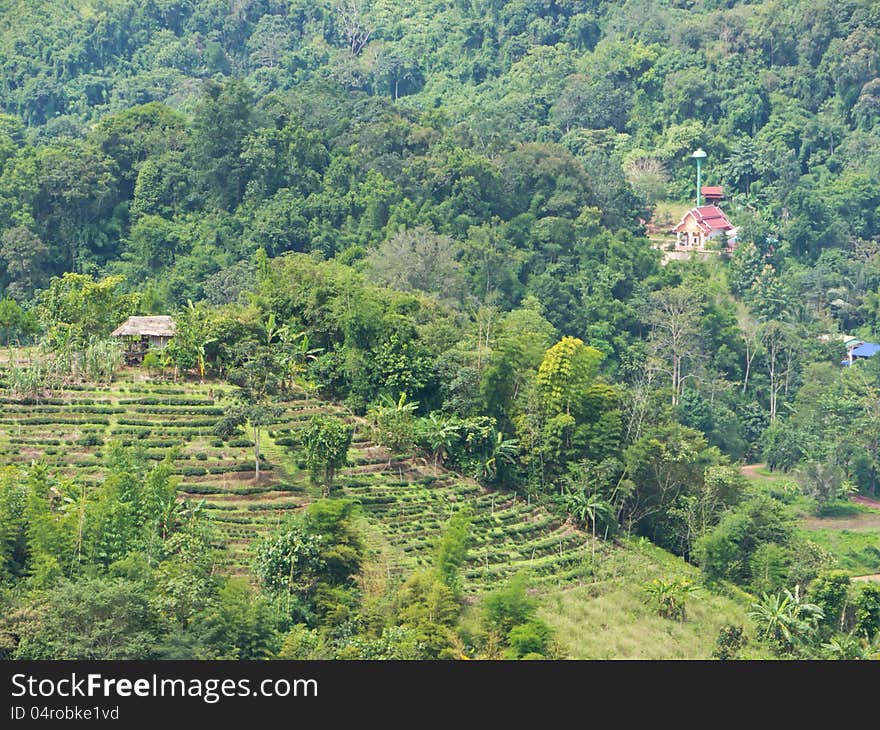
(71, 430)
(403, 497)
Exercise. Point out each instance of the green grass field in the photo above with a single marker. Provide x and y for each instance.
(848, 530)
(857, 551)
(610, 618)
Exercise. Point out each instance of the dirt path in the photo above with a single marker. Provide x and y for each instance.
(866, 578)
(751, 471)
(867, 501)
(857, 523)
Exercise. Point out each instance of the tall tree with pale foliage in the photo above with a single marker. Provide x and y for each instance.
(673, 345)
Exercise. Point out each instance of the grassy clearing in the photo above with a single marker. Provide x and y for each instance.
(669, 212)
(610, 619)
(848, 530)
(857, 551)
(759, 476)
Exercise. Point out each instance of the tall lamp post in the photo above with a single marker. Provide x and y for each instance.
(699, 155)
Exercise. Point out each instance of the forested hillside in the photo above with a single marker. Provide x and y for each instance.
(453, 220)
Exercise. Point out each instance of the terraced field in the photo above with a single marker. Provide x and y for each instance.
(411, 506)
(404, 498)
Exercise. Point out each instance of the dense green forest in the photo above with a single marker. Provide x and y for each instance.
(437, 214)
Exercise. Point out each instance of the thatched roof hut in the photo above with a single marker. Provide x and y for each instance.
(143, 333)
(159, 326)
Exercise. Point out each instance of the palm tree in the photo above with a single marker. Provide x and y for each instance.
(584, 507)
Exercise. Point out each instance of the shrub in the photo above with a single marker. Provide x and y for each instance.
(838, 508)
(153, 363)
(90, 439)
(868, 610)
(729, 643)
(528, 640)
(509, 605)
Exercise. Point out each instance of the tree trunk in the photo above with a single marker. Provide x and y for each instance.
(771, 371)
(749, 357)
(329, 474)
(593, 557)
(676, 381)
(257, 452)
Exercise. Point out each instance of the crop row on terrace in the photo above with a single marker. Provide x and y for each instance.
(407, 502)
(71, 431)
(509, 534)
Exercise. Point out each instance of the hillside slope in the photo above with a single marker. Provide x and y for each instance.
(405, 497)
(598, 609)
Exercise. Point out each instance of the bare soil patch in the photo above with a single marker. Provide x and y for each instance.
(856, 523)
(867, 501)
(751, 471)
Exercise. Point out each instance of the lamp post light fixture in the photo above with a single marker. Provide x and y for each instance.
(698, 155)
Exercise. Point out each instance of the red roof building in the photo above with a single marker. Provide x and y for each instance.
(700, 225)
(712, 193)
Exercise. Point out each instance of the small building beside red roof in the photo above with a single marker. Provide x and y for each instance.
(712, 193)
(700, 225)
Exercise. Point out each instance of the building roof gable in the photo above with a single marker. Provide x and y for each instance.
(708, 217)
(157, 326)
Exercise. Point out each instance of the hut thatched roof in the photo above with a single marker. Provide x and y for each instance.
(161, 326)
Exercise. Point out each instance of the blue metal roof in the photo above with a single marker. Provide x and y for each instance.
(866, 349)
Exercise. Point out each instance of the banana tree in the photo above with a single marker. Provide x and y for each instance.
(272, 330)
(296, 352)
(200, 358)
(500, 451)
(193, 511)
(669, 596)
(75, 499)
(393, 424)
(440, 434)
(785, 620)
